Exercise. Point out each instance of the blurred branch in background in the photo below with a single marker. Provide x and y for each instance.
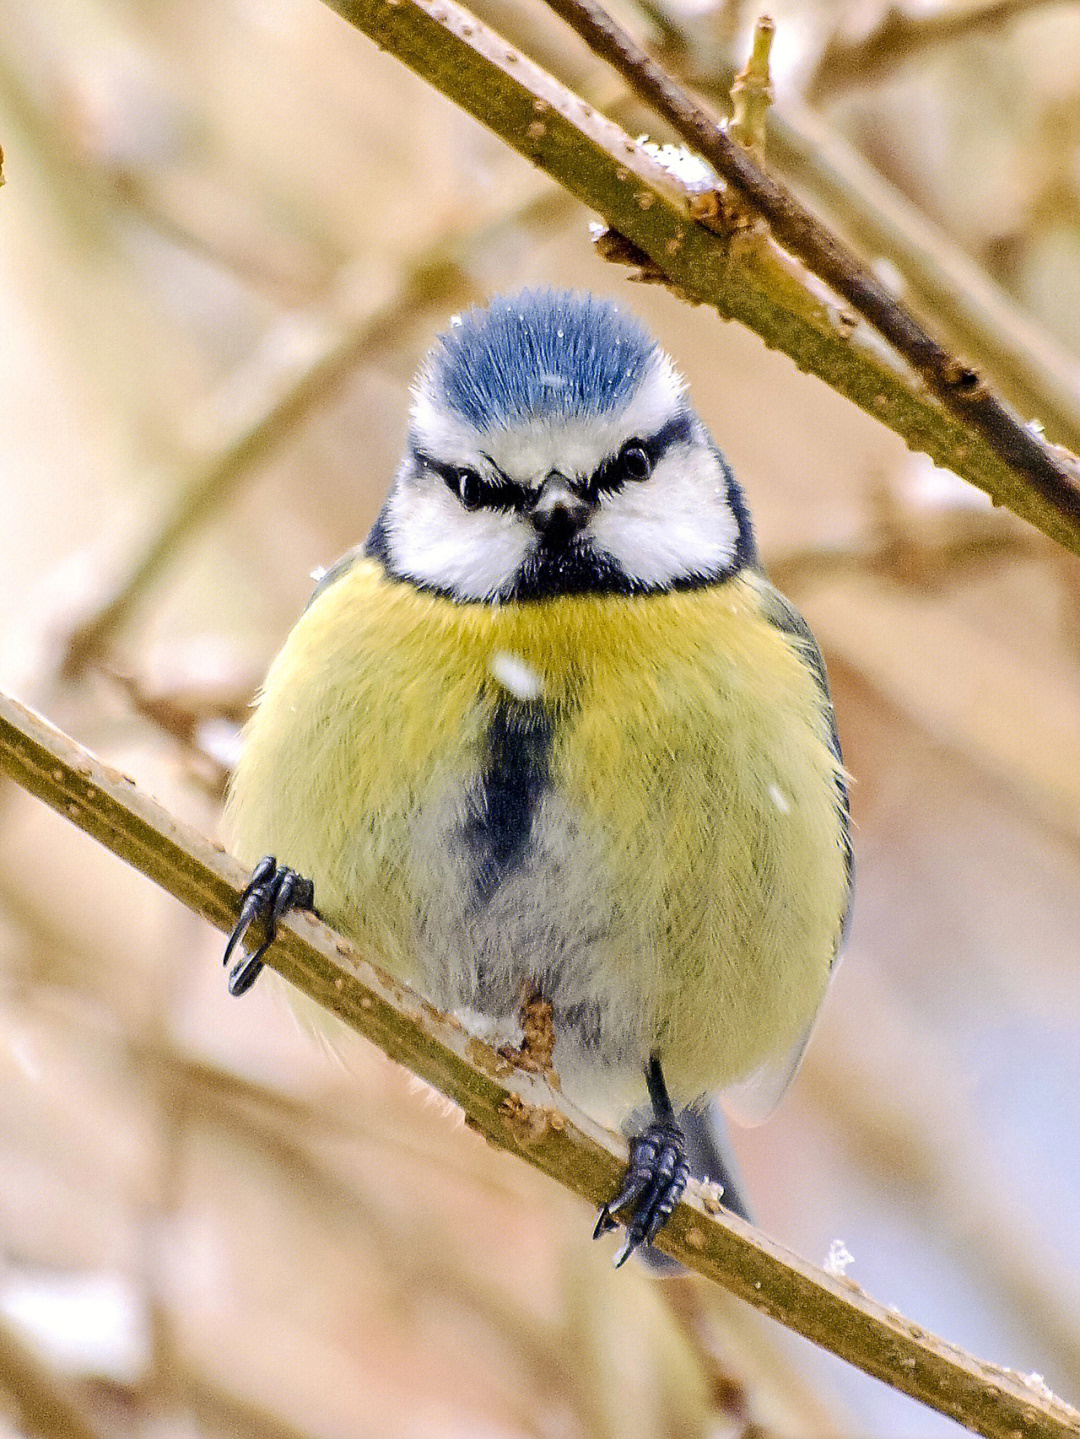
(899, 36)
(890, 1133)
(527, 1117)
(908, 547)
(45, 1406)
(984, 704)
(276, 399)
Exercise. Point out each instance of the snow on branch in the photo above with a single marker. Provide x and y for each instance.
(707, 247)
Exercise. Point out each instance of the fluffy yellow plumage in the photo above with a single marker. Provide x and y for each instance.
(554, 734)
(695, 844)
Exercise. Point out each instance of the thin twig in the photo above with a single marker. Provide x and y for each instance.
(517, 1110)
(749, 279)
(900, 36)
(1038, 376)
(958, 386)
(752, 91)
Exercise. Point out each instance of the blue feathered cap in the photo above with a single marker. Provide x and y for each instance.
(540, 353)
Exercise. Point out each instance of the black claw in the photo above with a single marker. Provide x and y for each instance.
(655, 1177)
(604, 1223)
(654, 1184)
(272, 891)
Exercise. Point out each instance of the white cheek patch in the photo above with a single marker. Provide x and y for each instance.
(432, 539)
(676, 524)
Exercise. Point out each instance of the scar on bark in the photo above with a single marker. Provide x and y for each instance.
(535, 1053)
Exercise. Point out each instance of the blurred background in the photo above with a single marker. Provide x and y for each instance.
(229, 231)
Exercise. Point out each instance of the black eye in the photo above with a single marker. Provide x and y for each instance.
(634, 461)
(469, 487)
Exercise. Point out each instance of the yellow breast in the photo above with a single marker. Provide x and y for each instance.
(687, 852)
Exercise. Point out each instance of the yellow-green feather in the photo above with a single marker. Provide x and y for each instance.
(691, 743)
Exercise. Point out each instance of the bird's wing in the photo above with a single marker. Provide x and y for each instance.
(781, 613)
(335, 572)
(753, 1099)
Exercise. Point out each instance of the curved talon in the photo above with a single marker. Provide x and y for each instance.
(655, 1180)
(604, 1222)
(271, 893)
(253, 899)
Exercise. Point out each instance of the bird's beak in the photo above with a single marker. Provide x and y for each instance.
(559, 512)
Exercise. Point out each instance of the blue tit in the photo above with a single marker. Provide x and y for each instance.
(551, 732)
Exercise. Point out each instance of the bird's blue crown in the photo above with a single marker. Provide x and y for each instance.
(539, 354)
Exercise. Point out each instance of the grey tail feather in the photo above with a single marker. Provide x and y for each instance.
(709, 1152)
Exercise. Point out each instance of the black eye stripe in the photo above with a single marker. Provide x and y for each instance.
(611, 476)
(679, 430)
(502, 493)
(476, 493)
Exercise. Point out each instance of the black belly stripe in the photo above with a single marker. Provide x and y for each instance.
(501, 809)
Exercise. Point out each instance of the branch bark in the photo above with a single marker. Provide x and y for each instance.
(744, 274)
(516, 1110)
(960, 388)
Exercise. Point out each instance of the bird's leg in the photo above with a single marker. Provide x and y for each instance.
(656, 1176)
(272, 891)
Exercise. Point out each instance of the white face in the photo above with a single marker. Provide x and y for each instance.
(674, 524)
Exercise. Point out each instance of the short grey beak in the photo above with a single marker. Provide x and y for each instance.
(559, 512)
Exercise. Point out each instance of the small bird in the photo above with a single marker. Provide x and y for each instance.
(550, 732)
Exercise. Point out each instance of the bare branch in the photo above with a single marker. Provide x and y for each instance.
(515, 1109)
(747, 278)
(1038, 375)
(958, 386)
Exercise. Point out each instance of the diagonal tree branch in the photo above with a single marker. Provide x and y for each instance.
(713, 259)
(958, 386)
(516, 1110)
(47, 1405)
(1038, 375)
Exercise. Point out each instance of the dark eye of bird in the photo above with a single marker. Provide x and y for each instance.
(634, 461)
(470, 488)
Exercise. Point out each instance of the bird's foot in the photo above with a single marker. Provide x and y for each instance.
(272, 891)
(655, 1180)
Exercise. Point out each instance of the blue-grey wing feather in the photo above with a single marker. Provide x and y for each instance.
(335, 572)
(779, 611)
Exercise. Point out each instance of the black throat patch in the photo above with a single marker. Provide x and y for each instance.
(503, 806)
